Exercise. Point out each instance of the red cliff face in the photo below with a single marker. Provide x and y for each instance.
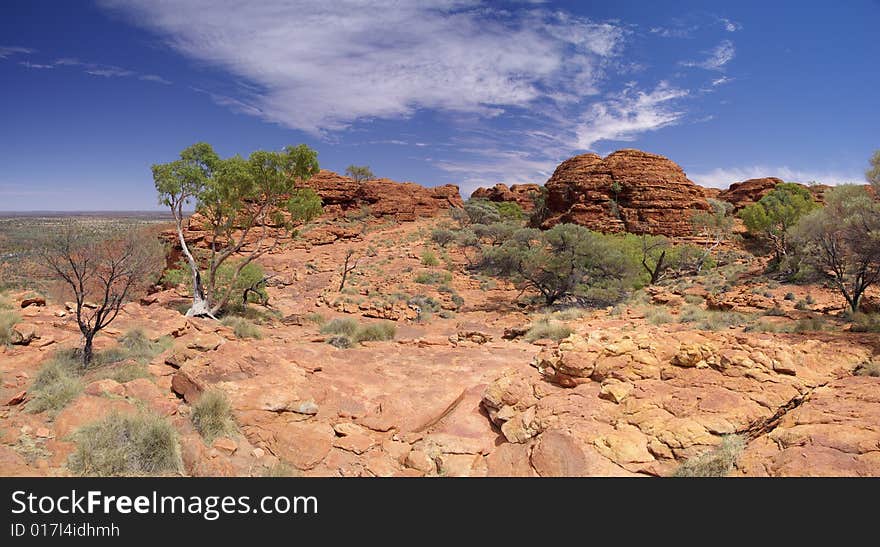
(629, 190)
(521, 194)
(384, 197)
(747, 192)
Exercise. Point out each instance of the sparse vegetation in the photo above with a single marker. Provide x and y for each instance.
(8, 320)
(429, 258)
(865, 322)
(548, 328)
(126, 444)
(718, 462)
(212, 415)
(347, 332)
(359, 173)
(242, 327)
(56, 384)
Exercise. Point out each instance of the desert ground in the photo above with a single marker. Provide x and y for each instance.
(422, 365)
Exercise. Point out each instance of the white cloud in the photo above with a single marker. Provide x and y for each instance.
(729, 25)
(9, 51)
(493, 166)
(28, 64)
(323, 66)
(632, 112)
(721, 81)
(724, 177)
(154, 78)
(722, 54)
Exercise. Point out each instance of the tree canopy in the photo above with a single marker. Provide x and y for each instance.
(775, 214)
(359, 173)
(239, 200)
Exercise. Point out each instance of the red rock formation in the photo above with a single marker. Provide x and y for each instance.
(629, 190)
(384, 197)
(743, 194)
(517, 193)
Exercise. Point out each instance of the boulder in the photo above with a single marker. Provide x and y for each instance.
(629, 190)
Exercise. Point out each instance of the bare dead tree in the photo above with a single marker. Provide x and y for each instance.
(649, 248)
(347, 268)
(104, 270)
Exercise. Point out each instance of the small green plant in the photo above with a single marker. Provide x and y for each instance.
(871, 368)
(384, 330)
(345, 326)
(429, 258)
(442, 236)
(775, 312)
(315, 317)
(865, 322)
(56, 385)
(711, 319)
(126, 444)
(242, 327)
(7, 321)
(212, 415)
(801, 305)
(717, 462)
(658, 315)
(548, 328)
(433, 278)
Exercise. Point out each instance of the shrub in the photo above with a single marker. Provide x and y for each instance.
(789, 296)
(658, 315)
(865, 322)
(711, 319)
(140, 348)
(801, 305)
(315, 317)
(433, 278)
(7, 321)
(384, 330)
(212, 415)
(871, 368)
(282, 469)
(810, 300)
(429, 258)
(554, 330)
(56, 385)
(442, 236)
(242, 327)
(717, 462)
(775, 312)
(345, 326)
(141, 444)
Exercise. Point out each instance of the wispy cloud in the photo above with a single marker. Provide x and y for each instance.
(721, 81)
(109, 71)
(729, 25)
(491, 166)
(629, 114)
(388, 61)
(9, 51)
(154, 78)
(724, 177)
(28, 64)
(719, 56)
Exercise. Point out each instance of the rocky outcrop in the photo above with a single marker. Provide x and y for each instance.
(521, 194)
(629, 190)
(747, 192)
(384, 197)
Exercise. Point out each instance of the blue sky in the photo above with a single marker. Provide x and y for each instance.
(434, 91)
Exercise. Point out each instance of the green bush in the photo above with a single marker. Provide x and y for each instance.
(871, 368)
(442, 236)
(429, 258)
(7, 321)
(56, 385)
(384, 330)
(140, 348)
(553, 330)
(433, 278)
(122, 444)
(717, 462)
(658, 315)
(711, 319)
(242, 327)
(212, 415)
(315, 317)
(865, 322)
(345, 326)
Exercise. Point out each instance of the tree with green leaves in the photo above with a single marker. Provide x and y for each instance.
(715, 225)
(842, 240)
(566, 260)
(359, 173)
(240, 201)
(872, 175)
(776, 213)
